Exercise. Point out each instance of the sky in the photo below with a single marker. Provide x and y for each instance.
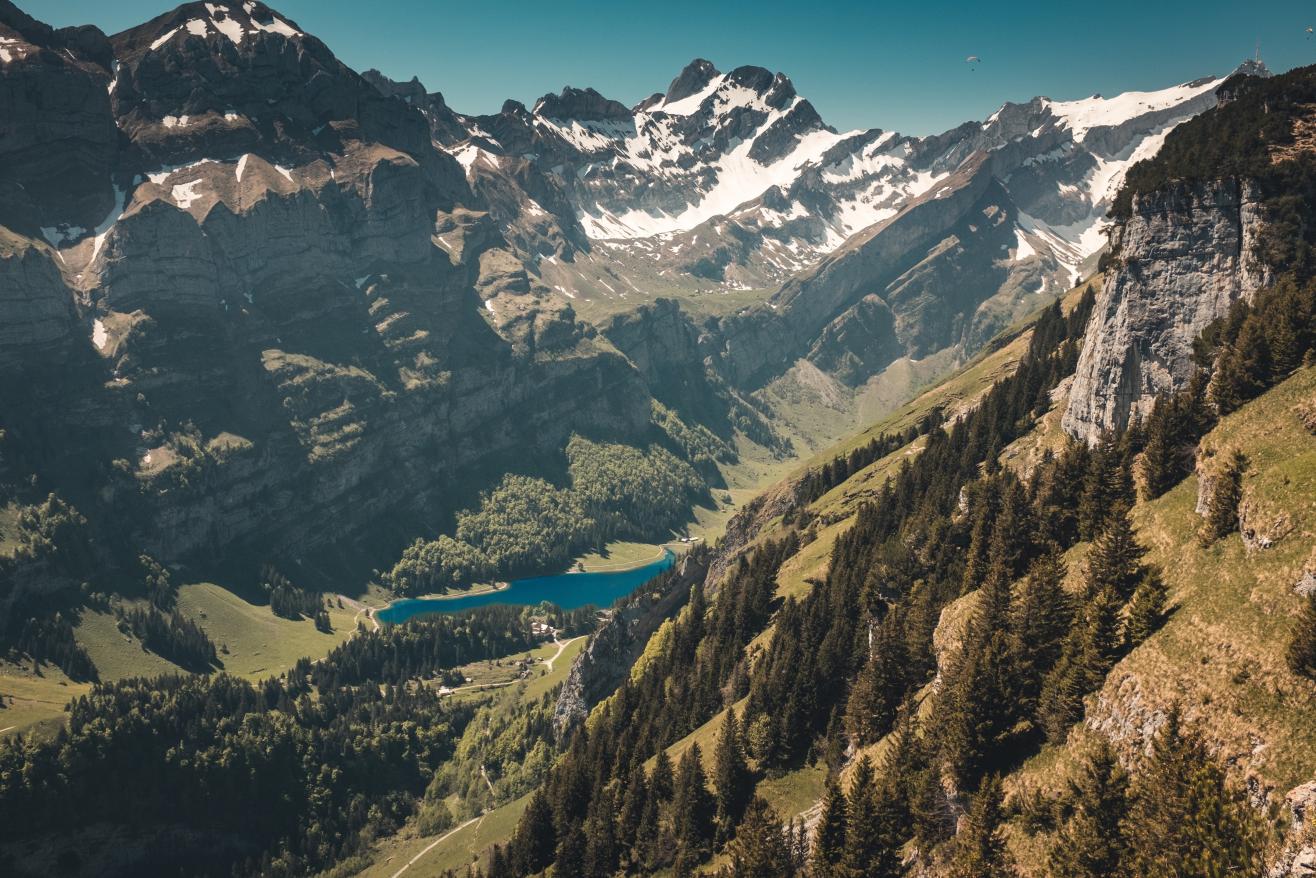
(892, 65)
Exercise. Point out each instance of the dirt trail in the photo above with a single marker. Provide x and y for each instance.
(442, 838)
(361, 608)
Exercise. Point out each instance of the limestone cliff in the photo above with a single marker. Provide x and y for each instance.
(1178, 263)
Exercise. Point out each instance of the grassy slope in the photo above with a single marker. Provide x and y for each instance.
(259, 644)
(1220, 657)
(1221, 653)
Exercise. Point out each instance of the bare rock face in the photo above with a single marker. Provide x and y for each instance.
(1186, 255)
(57, 136)
(1297, 858)
(38, 312)
(618, 642)
(1262, 527)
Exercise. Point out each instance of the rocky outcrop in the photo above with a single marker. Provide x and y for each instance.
(1183, 258)
(58, 141)
(811, 310)
(614, 647)
(283, 338)
(38, 317)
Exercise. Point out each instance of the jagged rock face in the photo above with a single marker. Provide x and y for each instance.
(279, 334)
(37, 311)
(734, 178)
(446, 127)
(57, 136)
(1185, 256)
(229, 77)
(617, 644)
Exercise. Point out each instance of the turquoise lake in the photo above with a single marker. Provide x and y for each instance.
(566, 590)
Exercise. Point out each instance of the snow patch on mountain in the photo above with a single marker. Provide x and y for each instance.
(1097, 112)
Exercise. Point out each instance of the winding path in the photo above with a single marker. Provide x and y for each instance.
(360, 608)
(432, 845)
(561, 645)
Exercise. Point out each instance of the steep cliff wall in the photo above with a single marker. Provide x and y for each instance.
(1179, 262)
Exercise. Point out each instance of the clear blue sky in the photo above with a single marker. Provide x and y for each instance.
(894, 65)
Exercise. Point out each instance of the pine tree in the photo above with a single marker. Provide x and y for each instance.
(870, 851)
(1090, 651)
(662, 778)
(1301, 654)
(692, 811)
(1161, 458)
(536, 839)
(761, 848)
(1185, 819)
(980, 850)
(829, 846)
(1222, 510)
(1041, 620)
(600, 835)
(570, 859)
(1114, 563)
(1091, 843)
(1146, 609)
(875, 697)
(731, 775)
(633, 804)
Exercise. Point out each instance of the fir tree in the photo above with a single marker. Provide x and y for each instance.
(536, 839)
(662, 779)
(570, 860)
(980, 850)
(1146, 609)
(1091, 842)
(693, 811)
(1042, 619)
(1162, 466)
(1089, 652)
(1301, 653)
(1185, 819)
(731, 775)
(880, 686)
(762, 847)
(829, 846)
(1114, 563)
(870, 851)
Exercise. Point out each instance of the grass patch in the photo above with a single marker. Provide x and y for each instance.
(260, 644)
(34, 703)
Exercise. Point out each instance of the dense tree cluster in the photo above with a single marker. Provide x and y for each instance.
(424, 647)
(172, 636)
(283, 777)
(503, 754)
(821, 480)
(527, 524)
(57, 533)
(1258, 344)
(602, 808)
(1170, 435)
(290, 602)
(51, 640)
(279, 780)
(1177, 816)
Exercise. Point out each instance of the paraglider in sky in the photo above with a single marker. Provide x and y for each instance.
(1309, 33)
(973, 60)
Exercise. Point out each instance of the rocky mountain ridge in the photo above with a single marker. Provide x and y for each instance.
(269, 293)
